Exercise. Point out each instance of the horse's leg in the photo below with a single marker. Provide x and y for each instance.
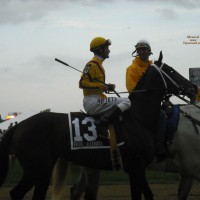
(87, 183)
(77, 190)
(184, 187)
(136, 192)
(25, 184)
(93, 178)
(148, 195)
(139, 185)
(42, 175)
(138, 181)
(41, 187)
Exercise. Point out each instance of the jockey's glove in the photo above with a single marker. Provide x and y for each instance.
(110, 87)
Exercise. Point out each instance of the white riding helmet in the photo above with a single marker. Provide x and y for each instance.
(142, 43)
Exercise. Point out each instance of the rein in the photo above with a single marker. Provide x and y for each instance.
(159, 69)
(188, 102)
(193, 120)
(161, 72)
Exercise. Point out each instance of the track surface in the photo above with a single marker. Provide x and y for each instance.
(121, 192)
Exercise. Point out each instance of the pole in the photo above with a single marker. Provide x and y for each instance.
(60, 61)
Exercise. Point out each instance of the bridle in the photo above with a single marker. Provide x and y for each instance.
(180, 89)
(162, 74)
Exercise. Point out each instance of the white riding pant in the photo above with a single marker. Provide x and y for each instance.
(95, 105)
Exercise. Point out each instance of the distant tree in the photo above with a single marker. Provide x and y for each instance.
(1, 120)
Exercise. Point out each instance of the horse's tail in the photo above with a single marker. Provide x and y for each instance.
(5, 146)
(59, 174)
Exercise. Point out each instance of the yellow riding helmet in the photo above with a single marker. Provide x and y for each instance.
(98, 42)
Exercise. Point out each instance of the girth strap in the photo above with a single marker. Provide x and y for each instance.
(194, 121)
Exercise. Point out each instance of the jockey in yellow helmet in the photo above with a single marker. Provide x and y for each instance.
(92, 82)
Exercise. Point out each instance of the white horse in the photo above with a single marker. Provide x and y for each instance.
(184, 150)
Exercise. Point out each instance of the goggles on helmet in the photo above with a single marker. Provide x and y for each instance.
(99, 42)
(108, 42)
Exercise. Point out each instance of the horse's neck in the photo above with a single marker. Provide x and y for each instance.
(146, 105)
(146, 108)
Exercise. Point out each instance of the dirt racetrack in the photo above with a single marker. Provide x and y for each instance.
(122, 192)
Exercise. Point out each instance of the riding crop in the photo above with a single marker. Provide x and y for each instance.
(60, 61)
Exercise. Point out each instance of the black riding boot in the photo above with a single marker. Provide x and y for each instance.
(103, 122)
(161, 148)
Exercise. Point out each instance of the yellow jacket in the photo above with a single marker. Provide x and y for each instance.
(134, 72)
(92, 72)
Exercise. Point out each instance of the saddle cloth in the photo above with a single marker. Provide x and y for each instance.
(172, 123)
(83, 133)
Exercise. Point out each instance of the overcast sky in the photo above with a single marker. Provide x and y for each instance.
(35, 32)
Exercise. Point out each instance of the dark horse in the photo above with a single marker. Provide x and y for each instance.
(43, 140)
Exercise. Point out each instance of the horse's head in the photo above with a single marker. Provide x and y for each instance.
(176, 83)
(158, 81)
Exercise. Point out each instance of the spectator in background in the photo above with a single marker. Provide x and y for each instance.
(1, 134)
(10, 126)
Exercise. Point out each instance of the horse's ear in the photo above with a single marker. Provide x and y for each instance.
(160, 57)
(159, 61)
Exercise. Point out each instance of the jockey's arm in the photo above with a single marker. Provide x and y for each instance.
(89, 80)
(132, 79)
